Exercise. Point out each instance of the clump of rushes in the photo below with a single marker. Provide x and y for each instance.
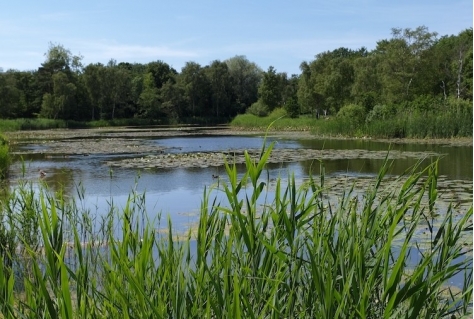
(296, 256)
(5, 157)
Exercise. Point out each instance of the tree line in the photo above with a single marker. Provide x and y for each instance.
(413, 65)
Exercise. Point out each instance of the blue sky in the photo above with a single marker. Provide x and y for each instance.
(274, 33)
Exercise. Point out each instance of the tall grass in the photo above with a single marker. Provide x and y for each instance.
(5, 157)
(297, 256)
(452, 118)
(250, 121)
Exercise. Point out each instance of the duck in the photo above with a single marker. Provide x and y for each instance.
(42, 173)
(215, 176)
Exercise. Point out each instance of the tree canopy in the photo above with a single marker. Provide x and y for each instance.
(413, 63)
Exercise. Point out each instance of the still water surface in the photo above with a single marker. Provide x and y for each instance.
(178, 192)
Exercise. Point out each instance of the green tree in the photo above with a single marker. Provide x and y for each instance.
(452, 59)
(161, 73)
(401, 61)
(173, 97)
(367, 85)
(246, 77)
(58, 104)
(116, 90)
(12, 101)
(93, 78)
(149, 100)
(219, 78)
(270, 89)
(308, 99)
(58, 77)
(196, 87)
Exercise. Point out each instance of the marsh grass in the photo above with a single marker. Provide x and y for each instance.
(250, 121)
(294, 257)
(5, 157)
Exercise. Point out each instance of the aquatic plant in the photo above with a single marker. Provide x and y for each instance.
(297, 256)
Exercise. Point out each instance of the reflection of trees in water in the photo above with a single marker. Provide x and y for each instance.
(61, 180)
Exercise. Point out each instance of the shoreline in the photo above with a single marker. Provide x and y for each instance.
(126, 139)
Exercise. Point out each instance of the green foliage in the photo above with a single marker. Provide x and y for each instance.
(5, 157)
(258, 109)
(352, 116)
(292, 108)
(270, 89)
(381, 112)
(297, 255)
(414, 69)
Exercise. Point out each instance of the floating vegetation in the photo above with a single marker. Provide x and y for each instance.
(206, 159)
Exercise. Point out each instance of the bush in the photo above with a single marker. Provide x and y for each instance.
(380, 112)
(258, 109)
(277, 113)
(353, 112)
(292, 108)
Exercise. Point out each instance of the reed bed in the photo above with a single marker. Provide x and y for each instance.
(5, 157)
(294, 257)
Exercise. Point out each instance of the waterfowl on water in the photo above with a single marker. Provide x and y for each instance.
(42, 173)
(215, 176)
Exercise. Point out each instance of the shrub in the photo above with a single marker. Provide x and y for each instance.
(258, 109)
(292, 108)
(380, 112)
(277, 113)
(353, 112)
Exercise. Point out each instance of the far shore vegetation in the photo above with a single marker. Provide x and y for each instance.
(415, 84)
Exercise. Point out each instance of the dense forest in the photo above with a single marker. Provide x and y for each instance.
(413, 68)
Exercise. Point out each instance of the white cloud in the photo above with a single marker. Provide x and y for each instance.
(103, 51)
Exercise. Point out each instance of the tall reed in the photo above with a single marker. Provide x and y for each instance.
(298, 255)
(5, 157)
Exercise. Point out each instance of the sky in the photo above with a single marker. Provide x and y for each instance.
(275, 33)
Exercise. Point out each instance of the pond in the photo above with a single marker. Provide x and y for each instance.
(177, 191)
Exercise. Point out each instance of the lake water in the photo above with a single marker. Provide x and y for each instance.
(178, 192)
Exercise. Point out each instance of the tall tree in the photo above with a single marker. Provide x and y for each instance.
(246, 77)
(60, 67)
(308, 99)
(400, 62)
(93, 78)
(161, 72)
(116, 89)
(452, 64)
(196, 87)
(149, 100)
(58, 104)
(173, 97)
(12, 99)
(219, 79)
(270, 89)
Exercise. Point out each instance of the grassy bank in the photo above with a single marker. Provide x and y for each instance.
(277, 120)
(426, 118)
(43, 124)
(298, 256)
